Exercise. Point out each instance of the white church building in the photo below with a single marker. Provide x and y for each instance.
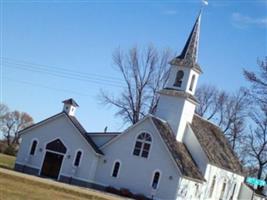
(170, 155)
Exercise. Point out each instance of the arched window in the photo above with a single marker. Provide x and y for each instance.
(78, 159)
(223, 190)
(178, 79)
(142, 145)
(212, 186)
(192, 83)
(116, 169)
(155, 182)
(33, 148)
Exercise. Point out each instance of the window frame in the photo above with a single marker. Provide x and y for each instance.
(113, 168)
(192, 83)
(75, 156)
(212, 186)
(30, 150)
(153, 177)
(233, 191)
(143, 143)
(223, 189)
(180, 82)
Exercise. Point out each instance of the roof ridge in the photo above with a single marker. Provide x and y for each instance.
(210, 122)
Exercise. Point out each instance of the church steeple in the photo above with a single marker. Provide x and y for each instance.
(189, 54)
(177, 102)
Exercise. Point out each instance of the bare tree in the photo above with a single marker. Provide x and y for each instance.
(12, 123)
(144, 73)
(227, 110)
(256, 143)
(258, 82)
(3, 110)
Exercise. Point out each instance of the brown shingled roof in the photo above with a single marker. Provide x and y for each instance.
(178, 150)
(215, 145)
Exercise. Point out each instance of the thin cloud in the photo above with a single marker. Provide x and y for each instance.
(243, 21)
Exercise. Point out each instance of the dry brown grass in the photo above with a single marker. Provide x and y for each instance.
(7, 161)
(16, 187)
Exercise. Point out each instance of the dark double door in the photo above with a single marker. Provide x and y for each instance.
(51, 165)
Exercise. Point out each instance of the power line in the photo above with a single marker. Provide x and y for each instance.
(27, 63)
(45, 86)
(65, 73)
(44, 72)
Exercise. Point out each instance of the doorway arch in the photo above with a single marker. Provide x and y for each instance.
(53, 159)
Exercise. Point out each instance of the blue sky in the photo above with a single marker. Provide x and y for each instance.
(42, 39)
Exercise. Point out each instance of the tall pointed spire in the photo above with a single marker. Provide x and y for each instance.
(190, 51)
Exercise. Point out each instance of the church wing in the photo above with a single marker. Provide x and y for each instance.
(215, 145)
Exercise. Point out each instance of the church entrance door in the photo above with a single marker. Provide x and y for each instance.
(51, 165)
(53, 159)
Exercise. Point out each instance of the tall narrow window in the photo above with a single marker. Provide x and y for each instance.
(116, 169)
(178, 79)
(142, 145)
(223, 190)
(77, 159)
(197, 190)
(33, 148)
(192, 83)
(233, 192)
(155, 182)
(212, 186)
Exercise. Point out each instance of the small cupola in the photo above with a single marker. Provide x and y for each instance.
(70, 106)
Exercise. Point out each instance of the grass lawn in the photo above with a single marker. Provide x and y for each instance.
(19, 186)
(7, 161)
(15, 187)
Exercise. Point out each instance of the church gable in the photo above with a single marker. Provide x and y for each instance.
(141, 153)
(176, 151)
(60, 124)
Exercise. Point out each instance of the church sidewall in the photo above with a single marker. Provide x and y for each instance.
(136, 173)
(59, 128)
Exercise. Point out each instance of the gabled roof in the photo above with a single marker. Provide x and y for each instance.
(83, 132)
(76, 123)
(178, 150)
(215, 145)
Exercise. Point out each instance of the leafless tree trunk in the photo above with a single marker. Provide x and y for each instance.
(144, 73)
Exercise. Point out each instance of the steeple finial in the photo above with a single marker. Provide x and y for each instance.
(190, 51)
